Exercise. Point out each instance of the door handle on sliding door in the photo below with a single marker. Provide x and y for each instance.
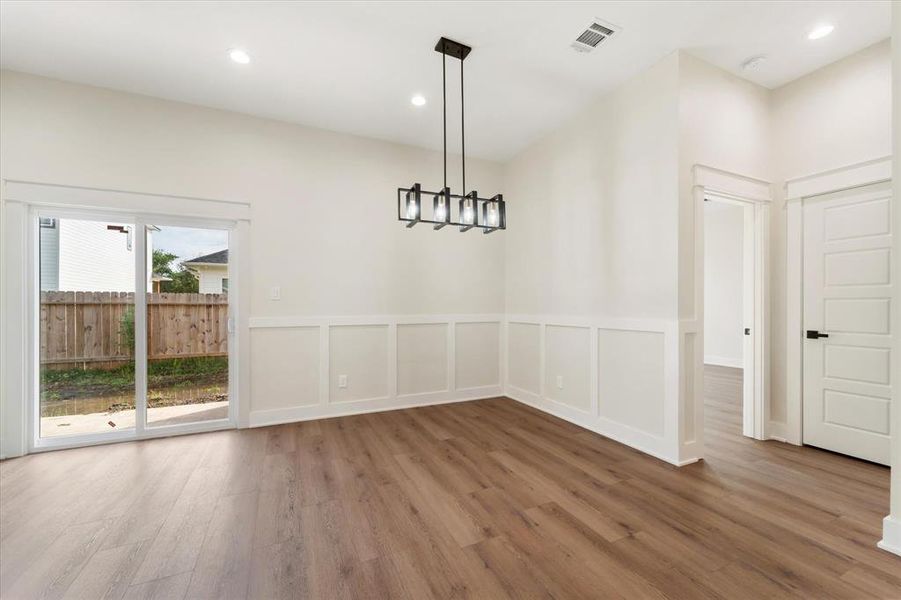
(813, 334)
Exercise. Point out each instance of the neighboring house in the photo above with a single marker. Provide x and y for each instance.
(88, 256)
(211, 270)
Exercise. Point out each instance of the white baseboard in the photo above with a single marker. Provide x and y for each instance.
(778, 431)
(624, 434)
(891, 535)
(723, 361)
(278, 416)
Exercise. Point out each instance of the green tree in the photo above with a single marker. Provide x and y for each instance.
(162, 262)
(182, 280)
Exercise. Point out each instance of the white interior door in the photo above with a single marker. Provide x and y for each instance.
(847, 297)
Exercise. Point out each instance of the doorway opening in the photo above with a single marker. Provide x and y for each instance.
(732, 275)
(728, 284)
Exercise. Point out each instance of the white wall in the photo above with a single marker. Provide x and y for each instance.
(723, 281)
(624, 165)
(623, 270)
(323, 199)
(834, 117)
(723, 123)
(323, 226)
(593, 207)
(891, 537)
(591, 265)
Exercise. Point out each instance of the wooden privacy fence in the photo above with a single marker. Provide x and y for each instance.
(96, 329)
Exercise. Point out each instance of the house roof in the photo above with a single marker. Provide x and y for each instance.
(216, 258)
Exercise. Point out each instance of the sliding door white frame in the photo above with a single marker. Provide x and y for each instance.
(33, 199)
(141, 430)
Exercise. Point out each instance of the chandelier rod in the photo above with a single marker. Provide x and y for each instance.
(444, 109)
(462, 129)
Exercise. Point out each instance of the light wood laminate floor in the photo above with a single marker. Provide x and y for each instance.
(486, 499)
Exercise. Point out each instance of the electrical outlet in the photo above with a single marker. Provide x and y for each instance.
(342, 381)
(275, 293)
(559, 382)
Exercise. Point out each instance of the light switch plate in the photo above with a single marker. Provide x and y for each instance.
(559, 382)
(275, 293)
(342, 381)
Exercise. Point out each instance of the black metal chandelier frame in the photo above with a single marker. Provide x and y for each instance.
(473, 212)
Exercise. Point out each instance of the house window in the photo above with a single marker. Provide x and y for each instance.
(225, 285)
(48, 222)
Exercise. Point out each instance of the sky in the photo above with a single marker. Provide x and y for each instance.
(187, 243)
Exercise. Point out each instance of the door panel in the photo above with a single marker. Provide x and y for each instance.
(857, 411)
(86, 326)
(859, 267)
(856, 220)
(847, 295)
(187, 326)
(867, 315)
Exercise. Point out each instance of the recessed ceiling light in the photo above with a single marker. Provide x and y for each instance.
(418, 100)
(820, 31)
(239, 56)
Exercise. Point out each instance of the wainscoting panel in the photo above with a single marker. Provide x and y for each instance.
(285, 367)
(567, 373)
(524, 355)
(421, 358)
(631, 378)
(477, 355)
(620, 377)
(359, 355)
(391, 361)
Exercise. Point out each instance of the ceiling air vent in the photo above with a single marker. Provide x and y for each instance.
(592, 37)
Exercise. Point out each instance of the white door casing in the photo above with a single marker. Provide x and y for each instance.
(847, 295)
(755, 196)
(750, 335)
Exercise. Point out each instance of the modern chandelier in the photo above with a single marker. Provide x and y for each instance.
(472, 212)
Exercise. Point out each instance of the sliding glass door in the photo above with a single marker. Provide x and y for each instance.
(86, 310)
(132, 326)
(187, 325)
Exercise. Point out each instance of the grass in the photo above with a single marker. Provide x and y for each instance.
(168, 373)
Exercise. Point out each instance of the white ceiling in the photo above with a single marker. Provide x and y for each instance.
(354, 66)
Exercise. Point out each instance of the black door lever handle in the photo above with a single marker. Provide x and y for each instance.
(813, 334)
